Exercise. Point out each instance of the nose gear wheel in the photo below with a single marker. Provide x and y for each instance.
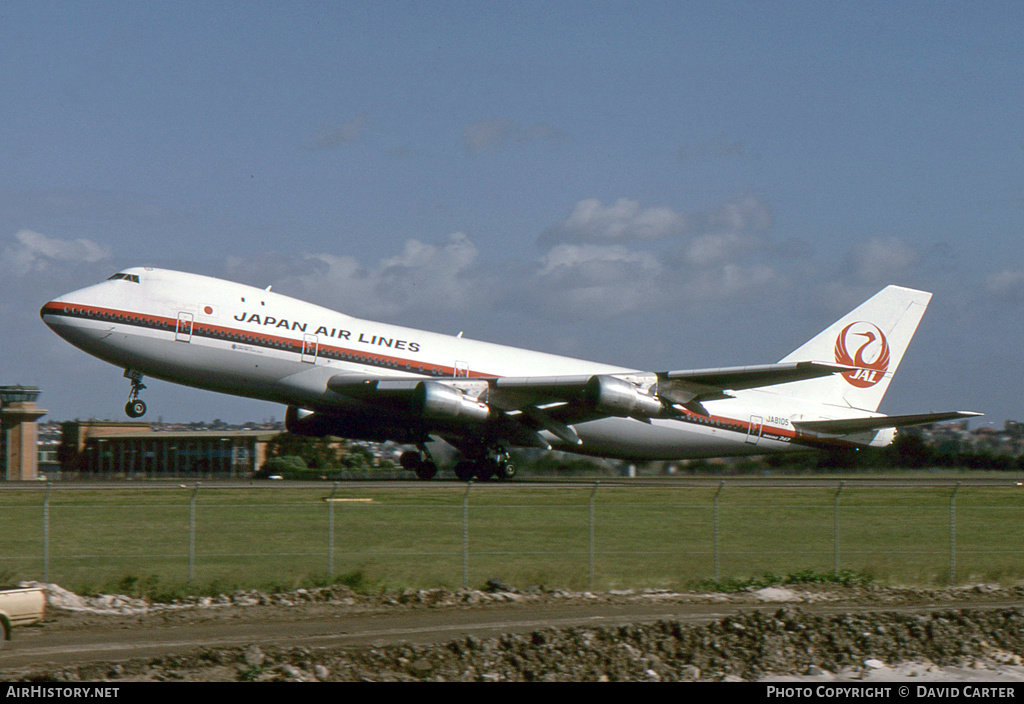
(136, 407)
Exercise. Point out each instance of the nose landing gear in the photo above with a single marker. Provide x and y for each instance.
(136, 407)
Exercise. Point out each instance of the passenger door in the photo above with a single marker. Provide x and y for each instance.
(183, 330)
(310, 345)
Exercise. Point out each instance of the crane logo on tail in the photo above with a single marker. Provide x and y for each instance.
(870, 355)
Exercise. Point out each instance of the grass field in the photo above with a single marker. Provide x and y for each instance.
(445, 534)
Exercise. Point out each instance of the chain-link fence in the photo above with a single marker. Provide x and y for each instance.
(580, 536)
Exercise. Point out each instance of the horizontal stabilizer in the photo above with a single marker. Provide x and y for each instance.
(857, 425)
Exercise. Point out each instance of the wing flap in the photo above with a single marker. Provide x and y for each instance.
(361, 385)
(366, 386)
(518, 393)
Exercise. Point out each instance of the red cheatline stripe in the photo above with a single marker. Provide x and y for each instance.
(230, 334)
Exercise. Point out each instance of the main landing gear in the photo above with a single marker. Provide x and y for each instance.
(136, 407)
(420, 462)
(493, 464)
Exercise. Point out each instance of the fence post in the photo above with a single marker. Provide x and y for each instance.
(590, 544)
(46, 533)
(952, 535)
(835, 529)
(192, 535)
(465, 536)
(715, 551)
(330, 532)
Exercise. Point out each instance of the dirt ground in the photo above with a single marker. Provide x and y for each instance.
(797, 632)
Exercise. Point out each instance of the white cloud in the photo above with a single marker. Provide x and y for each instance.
(422, 278)
(488, 134)
(32, 253)
(627, 221)
(622, 257)
(346, 133)
(623, 221)
(746, 213)
(595, 262)
(638, 266)
(1006, 285)
(707, 250)
(439, 279)
(592, 281)
(427, 276)
(729, 283)
(881, 260)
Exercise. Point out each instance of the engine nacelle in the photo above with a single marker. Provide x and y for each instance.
(884, 437)
(300, 421)
(621, 398)
(442, 402)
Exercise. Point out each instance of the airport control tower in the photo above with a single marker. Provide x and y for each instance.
(19, 433)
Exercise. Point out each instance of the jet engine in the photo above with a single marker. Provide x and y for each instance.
(442, 402)
(300, 421)
(621, 398)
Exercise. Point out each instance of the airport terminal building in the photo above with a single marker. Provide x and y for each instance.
(118, 449)
(110, 448)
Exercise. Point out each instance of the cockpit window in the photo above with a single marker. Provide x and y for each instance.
(134, 278)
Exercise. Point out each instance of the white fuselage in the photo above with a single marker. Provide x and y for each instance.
(237, 339)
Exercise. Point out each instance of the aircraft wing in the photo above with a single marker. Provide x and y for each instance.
(521, 406)
(515, 393)
(855, 425)
(526, 405)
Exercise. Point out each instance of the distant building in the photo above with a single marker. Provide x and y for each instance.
(19, 432)
(137, 449)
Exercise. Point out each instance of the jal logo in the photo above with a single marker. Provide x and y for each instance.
(864, 346)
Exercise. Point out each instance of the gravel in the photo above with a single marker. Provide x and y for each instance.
(777, 641)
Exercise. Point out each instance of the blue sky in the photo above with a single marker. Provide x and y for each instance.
(664, 185)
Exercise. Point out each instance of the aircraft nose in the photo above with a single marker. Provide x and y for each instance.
(50, 309)
(67, 317)
(53, 314)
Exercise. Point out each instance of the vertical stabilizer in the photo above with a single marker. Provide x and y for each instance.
(872, 337)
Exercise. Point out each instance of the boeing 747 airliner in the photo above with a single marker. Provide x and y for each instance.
(352, 378)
